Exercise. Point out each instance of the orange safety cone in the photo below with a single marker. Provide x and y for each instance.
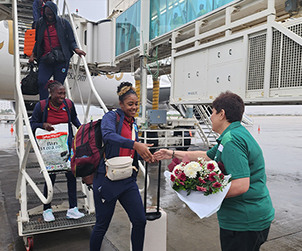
(11, 128)
(259, 129)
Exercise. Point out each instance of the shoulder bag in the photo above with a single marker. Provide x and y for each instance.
(119, 168)
(55, 55)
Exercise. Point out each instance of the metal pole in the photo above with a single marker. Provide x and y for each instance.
(269, 47)
(144, 87)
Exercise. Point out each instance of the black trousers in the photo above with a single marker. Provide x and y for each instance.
(242, 240)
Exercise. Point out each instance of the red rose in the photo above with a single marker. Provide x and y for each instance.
(216, 185)
(202, 189)
(210, 166)
(182, 177)
(212, 176)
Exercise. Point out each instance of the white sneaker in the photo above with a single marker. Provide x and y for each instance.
(74, 213)
(48, 215)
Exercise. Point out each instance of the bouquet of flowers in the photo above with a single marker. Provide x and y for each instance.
(200, 175)
(200, 184)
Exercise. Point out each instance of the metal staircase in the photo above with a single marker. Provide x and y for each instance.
(32, 171)
(203, 113)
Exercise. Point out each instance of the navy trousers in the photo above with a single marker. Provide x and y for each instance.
(46, 71)
(242, 240)
(131, 201)
(71, 187)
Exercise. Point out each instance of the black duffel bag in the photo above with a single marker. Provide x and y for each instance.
(54, 56)
(29, 84)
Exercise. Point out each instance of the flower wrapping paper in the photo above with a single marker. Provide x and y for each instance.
(203, 206)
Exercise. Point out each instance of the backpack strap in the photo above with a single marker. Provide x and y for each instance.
(69, 104)
(43, 104)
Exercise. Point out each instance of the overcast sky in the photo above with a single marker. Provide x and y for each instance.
(93, 10)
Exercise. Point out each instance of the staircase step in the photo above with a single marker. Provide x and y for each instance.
(34, 165)
(59, 179)
(37, 225)
(57, 196)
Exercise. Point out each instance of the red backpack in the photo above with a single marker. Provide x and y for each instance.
(87, 150)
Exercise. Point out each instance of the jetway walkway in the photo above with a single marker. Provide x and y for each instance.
(201, 30)
(250, 47)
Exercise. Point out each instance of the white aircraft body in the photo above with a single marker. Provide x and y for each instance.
(106, 85)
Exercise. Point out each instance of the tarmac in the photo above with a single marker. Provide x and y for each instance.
(280, 139)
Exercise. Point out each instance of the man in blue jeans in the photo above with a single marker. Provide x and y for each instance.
(53, 32)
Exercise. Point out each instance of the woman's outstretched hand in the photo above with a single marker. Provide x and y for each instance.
(143, 151)
(163, 154)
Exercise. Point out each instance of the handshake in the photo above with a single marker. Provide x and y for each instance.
(161, 154)
(143, 151)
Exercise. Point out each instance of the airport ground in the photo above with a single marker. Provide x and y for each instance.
(280, 138)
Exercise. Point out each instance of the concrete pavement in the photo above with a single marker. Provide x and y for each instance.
(280, 139)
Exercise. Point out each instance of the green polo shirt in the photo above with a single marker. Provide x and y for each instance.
(242, 157)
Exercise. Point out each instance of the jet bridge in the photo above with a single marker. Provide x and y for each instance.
(256, 55)
(250, 47)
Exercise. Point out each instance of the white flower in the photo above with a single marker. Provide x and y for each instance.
(191, 169)
(178, 167)
(181, 167)
(202, 160)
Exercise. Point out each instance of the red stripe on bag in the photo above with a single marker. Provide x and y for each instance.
(52, 136)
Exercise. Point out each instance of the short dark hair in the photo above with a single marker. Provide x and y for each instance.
(124, 90)
(52, 84)
(232, 104)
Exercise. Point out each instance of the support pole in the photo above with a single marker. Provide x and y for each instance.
(144, 87)
(269, 48)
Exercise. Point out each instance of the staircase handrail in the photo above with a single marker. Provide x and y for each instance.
(93, 90)
(21, 109)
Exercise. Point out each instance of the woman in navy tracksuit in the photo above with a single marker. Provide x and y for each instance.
(54, 110)
(117, 130)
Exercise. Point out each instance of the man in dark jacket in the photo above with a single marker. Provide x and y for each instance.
(53, 32)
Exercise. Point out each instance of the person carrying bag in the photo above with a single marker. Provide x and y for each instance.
(119, 168)
(57, 110)
(115, 179)
(55, 55)
(54, 46)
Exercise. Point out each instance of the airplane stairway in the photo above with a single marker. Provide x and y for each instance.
(203, 113)
(32, 170)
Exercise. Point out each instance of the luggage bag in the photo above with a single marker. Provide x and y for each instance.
(29, 41)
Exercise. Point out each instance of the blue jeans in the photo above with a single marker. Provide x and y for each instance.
(131, 201)
(71, 187)
(57, 70)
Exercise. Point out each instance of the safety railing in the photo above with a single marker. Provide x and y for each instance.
(22, 117)
(65, 12)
